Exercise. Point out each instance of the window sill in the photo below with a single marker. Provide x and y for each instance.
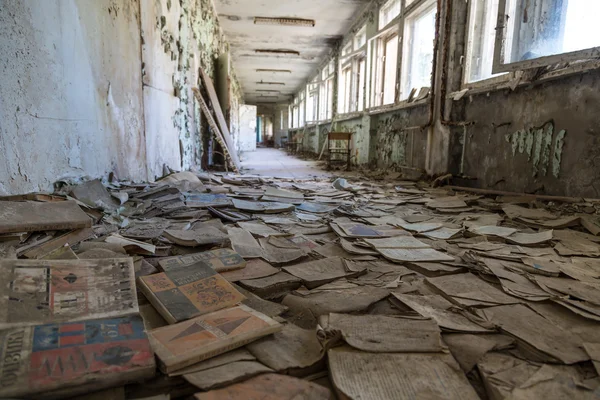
(507, 81)
(400, 106)
(349, 116)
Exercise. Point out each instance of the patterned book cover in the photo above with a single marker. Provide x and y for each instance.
(36, 292)
(102, 353)
(187, 343)
(220, 260)
(187, 292)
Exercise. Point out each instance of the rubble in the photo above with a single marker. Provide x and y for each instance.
(238, 284)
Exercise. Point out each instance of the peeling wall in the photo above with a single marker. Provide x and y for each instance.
(103, 86)
(180, 37)
(71, 96)
(544, 138)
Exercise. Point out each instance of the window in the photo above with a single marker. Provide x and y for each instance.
(326, 93)
(301, 115)
(388, 12)
(312, 102)
(361, 38)
(352, 74)
(344, 93)
(386, 69)
(362, 74)
(419, 35)
(390, 70)
(483, 15)
(290, 117)
(533, 33)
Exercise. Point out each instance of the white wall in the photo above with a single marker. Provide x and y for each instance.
(70, 92)
(247, 137)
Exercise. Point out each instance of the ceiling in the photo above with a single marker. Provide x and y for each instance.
(332, 19)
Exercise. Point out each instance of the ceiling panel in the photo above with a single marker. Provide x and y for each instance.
(332, 19)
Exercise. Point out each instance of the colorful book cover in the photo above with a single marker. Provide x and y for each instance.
(220, 260)
(187, 292)
(101, 353)
(187, 343)
(41, 291)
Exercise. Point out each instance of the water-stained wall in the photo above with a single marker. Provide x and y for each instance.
(93, 87)
(179, 38)
(70, 92)
(544, 138)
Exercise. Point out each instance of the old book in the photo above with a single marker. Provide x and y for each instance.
(62, 253)
(43, 291)
(225, 375)
(189, 342)
(468, 349)
(221, 260)
(468, 290)
(255, 268)
(62, 360)
(241, 354)
(260, 229)
(95, 195)
(319, 272)
(71, 238)
(269, 308)
(269, 387)
(383, 334)
(382, 376)
(272, 286)
(543, 338)
(293, 351)
(18, 217)
(441, 311)
(244, 243)
(262, 206)
(207, 236)
(188, 292)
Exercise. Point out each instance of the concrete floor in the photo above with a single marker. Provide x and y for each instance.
(277, 163)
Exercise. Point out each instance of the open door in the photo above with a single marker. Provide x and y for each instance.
(247, 128)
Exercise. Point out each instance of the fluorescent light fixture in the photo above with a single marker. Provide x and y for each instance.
(275, 71)
(270, 83)
(267, 91)
(284, 21)
(278, 51)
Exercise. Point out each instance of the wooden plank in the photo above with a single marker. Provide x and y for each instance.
(234, 162)
(212, 95)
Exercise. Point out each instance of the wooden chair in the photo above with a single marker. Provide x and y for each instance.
(339, 148)
(297, 139)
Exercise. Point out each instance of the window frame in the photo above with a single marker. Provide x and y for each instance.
(502, 25)
(418, 8)
(352, 89)
(374, 68)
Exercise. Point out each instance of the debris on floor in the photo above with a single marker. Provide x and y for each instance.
(218, 286)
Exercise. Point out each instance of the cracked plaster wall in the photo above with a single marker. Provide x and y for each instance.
(93, 87)
(70, 97)
(179, 38)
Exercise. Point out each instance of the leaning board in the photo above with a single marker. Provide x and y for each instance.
(212, 96)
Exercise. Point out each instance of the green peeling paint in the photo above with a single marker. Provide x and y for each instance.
(537, 144)
(558, 148)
